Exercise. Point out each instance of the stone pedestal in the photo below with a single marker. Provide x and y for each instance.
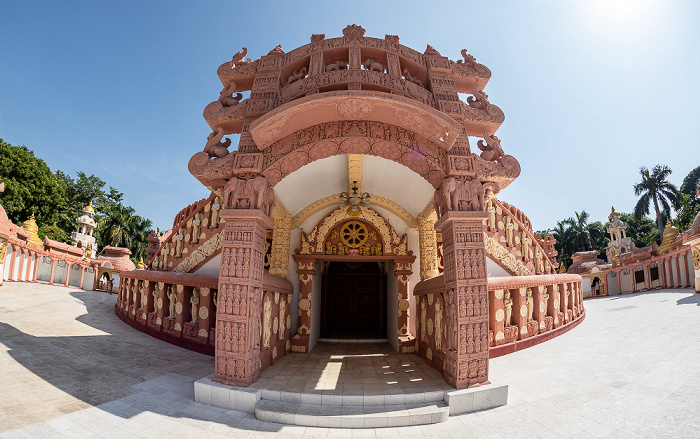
(240, 287)
(467, 356)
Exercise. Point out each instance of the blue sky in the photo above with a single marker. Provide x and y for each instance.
(591, 90)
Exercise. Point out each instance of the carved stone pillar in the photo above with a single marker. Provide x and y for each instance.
(206, 313)
(540, 307)
(519, 317)
(428, 243)
(466, 362)
(402, 271)
(497, 316)
(306, 271)
(279, 255)
(240, 287)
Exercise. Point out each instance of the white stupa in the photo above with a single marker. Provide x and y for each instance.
(83, 236)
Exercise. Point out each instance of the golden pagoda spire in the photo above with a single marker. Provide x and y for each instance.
(32, 231)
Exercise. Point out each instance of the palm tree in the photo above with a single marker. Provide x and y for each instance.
(115, 226)
(561, 234)
(579, 231)
(140, 227)
(655, 187)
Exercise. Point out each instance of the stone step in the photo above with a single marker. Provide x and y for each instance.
(332, 416)
(359, 399)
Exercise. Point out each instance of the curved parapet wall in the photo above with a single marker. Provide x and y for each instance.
(181, 309)
(523, 311)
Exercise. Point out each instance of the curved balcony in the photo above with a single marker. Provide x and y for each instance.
(523, 311)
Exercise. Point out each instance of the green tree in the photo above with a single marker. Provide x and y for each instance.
(30, 186)
(691, 182)
(687, 212)
(580, 235)
(642, 231)
(140, 229)
(656, 188)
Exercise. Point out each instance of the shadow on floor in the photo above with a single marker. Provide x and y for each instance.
(124, 372)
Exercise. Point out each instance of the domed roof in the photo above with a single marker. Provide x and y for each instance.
(89, 208)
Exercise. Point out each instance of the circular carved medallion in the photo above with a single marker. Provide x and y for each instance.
(354, 109)
(274, 325)
(178, 327)
(160, 303)
(294, 161)
(500, 336)
(523, 311)
(178, 308)
(696, 259)
(543, 307)
(404, 304)
(430, 326)
(203, 313)
(499, 294)
(355, 146)
(353, 234)
(322, 150)
(499, 315)
(202, 333)
(304, 304)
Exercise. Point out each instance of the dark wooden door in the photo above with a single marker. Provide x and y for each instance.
(354, 301)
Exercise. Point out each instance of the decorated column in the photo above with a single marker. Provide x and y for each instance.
(248, 203)
(306, 271)
(402, 271)
(461, 201)
(428, 243)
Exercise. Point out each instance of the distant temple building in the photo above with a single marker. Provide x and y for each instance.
(619, 241)
(82, 237)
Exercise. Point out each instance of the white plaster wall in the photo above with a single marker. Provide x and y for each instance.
(683, 275)
(31, 268)
(115, 283)
(74, 277)
(626, 282)
(675, 273)
(211, 268)
(88, 280)
(668, 275)
(293, 277)
(60, 273)
(612, 285)
(392, 308)
(315, 308)
(17, 256)
(44, 272)
(586, 285)
(495, 270)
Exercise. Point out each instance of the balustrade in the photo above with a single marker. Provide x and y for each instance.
(180, 308)
(519, 307)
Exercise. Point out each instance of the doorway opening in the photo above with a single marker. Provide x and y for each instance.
(353, 300)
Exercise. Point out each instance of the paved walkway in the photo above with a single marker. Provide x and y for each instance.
(71, 369)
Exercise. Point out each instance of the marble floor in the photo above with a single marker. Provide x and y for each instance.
(71, 369)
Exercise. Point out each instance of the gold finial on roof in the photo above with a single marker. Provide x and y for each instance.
(141, 265)
(89, 208)
(32, 231)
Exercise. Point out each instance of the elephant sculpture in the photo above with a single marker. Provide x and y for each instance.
(338, 64)
(373, 64)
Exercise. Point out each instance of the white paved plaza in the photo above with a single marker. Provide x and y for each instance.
(72, 369)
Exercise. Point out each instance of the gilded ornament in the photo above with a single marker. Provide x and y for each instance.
(353, 234)
(696, 259)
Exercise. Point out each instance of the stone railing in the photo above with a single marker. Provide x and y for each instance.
(526, 310)
(523, 311)
(195, 238)
(180, 308)
(516, 237)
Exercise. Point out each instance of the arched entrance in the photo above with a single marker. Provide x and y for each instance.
(353, 300)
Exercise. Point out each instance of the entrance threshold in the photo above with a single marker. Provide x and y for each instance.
(353, 340)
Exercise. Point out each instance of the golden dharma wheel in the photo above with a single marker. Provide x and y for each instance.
(353, 234)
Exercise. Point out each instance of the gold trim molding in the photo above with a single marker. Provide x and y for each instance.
(331, 200)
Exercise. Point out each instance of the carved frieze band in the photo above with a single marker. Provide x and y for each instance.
(332, 200)
(205, 250)
(504, 257)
